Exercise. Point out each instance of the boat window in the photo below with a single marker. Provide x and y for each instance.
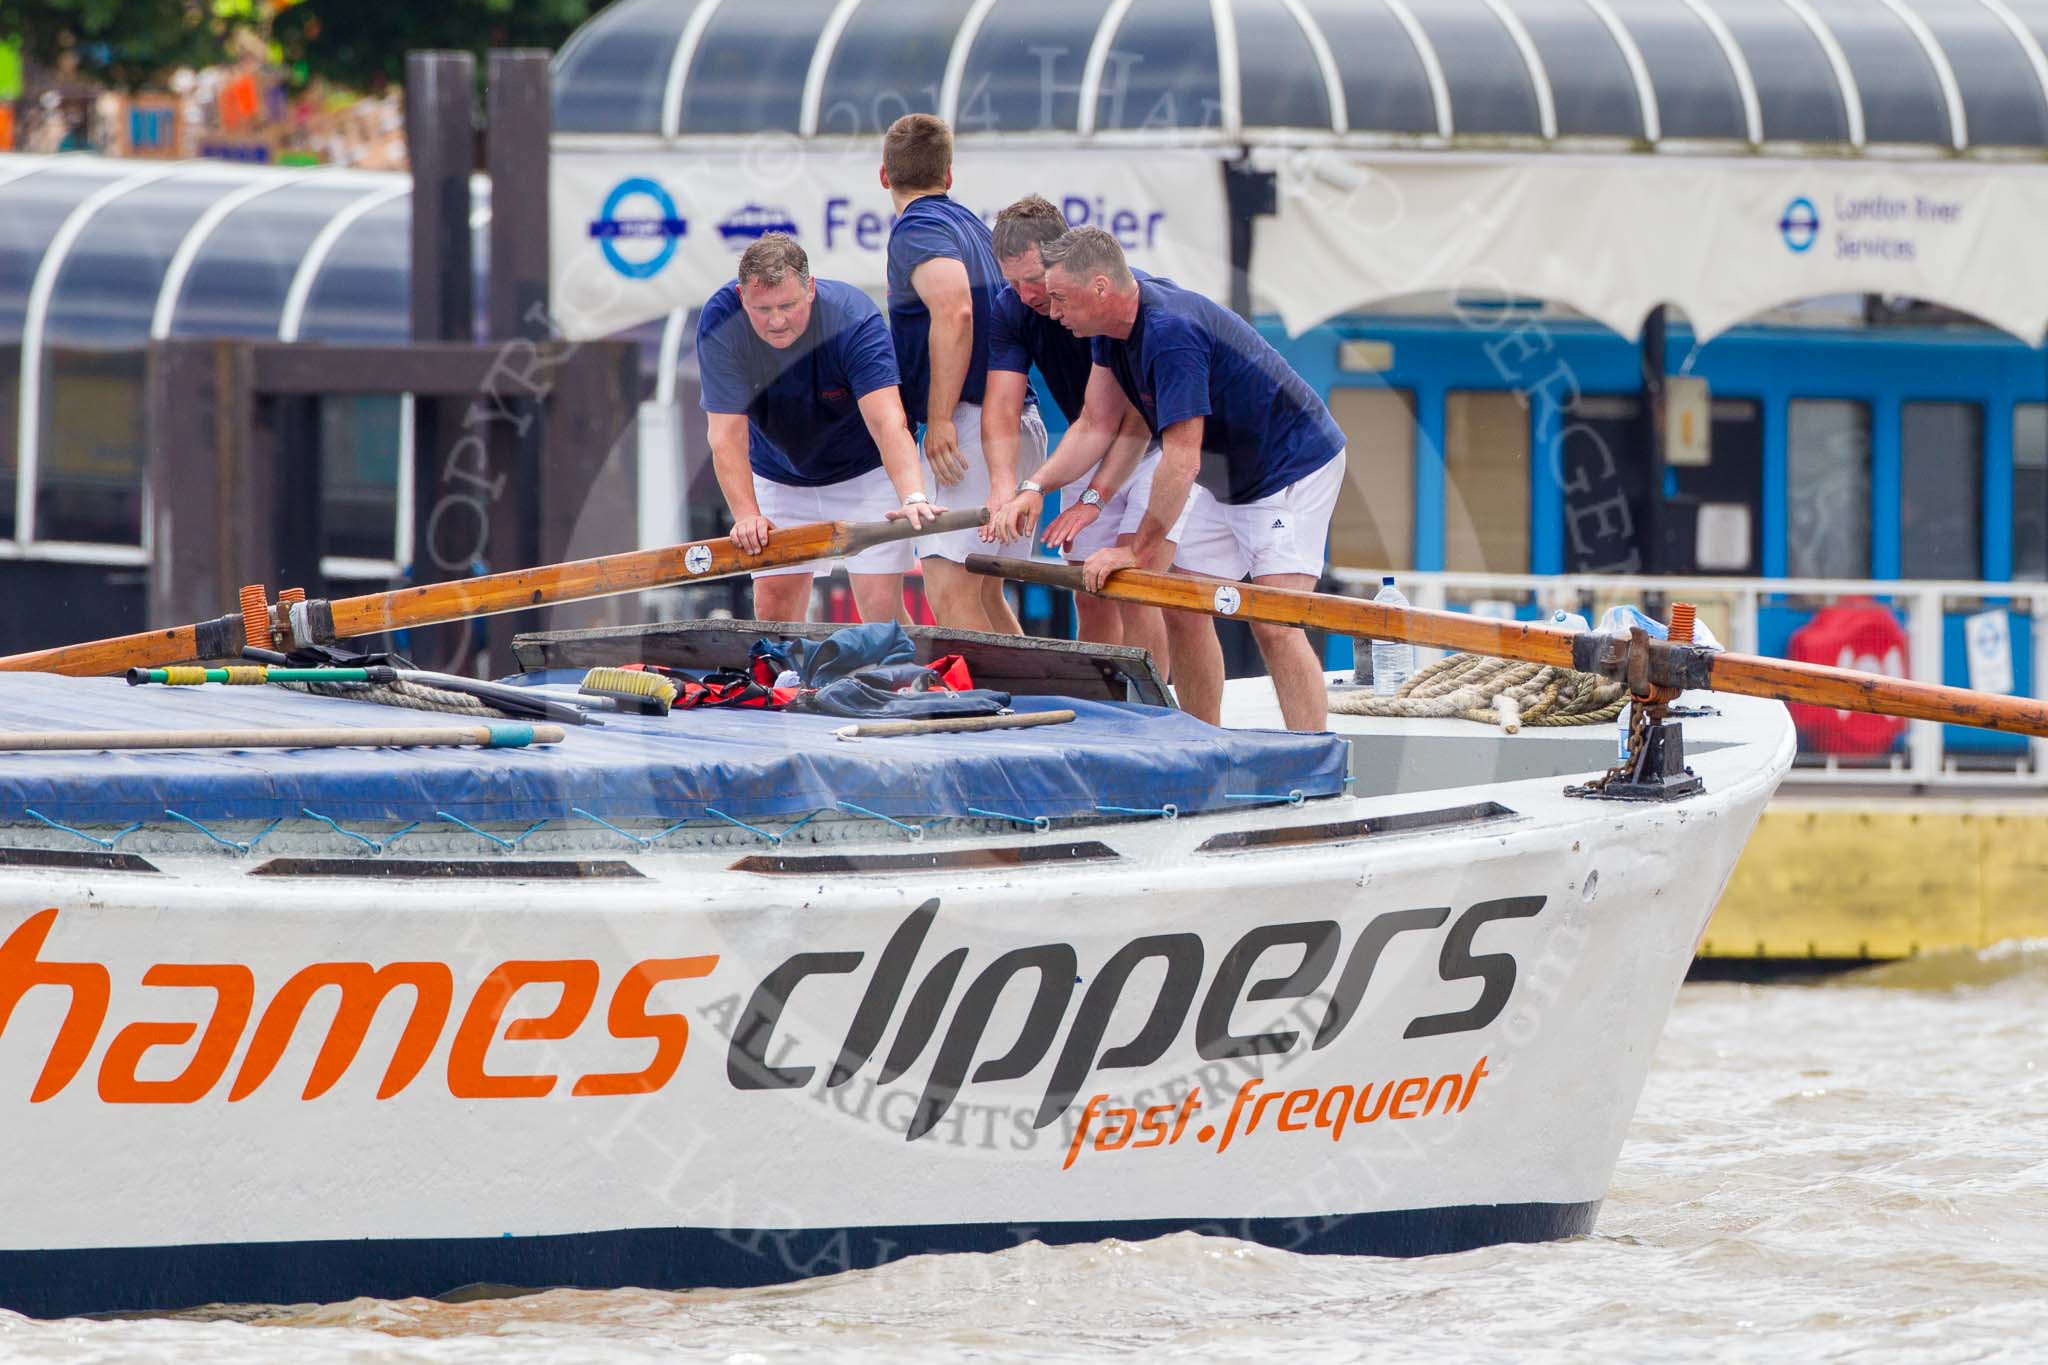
(1386, 87)
(243, 271)
(359, 447)
(1024, 71)
(1606, 477)
(1374, 524)
(1941, 490)
(1827, 478)
(89, 471)
(1162, 70)
(2029, 490)
(1280, 84)
(890, 61)
(1486, 478)
(749, 70)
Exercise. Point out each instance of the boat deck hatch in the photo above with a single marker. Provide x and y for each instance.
(1409, 822)
(76, 860)
(966, 859)
(553, 869)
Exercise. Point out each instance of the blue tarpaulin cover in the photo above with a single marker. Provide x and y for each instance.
(749, 764)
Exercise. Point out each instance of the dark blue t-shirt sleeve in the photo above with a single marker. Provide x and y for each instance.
(1178, 365)
(918, 240)
(868, 355)
(1006, 349)
(721, 376)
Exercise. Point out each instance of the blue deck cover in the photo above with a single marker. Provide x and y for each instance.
(752, 765)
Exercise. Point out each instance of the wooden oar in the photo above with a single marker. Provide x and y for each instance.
(434, 737)
(1641, 663)
(323, 622)
(885, 729)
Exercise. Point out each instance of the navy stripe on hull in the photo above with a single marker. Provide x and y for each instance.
(51, 1284)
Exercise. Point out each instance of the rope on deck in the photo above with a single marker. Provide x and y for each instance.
(410, 695)
(1494, 692)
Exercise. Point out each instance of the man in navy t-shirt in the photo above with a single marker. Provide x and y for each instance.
(806, 423)
(1250, 450)
(1112, 503)
(942, 281)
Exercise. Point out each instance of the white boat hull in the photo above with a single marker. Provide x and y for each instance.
(689, 1075)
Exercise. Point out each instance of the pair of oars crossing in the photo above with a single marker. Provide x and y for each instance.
(1642, 663)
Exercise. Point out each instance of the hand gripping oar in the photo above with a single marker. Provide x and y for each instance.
(297, 624)
(1642, 663)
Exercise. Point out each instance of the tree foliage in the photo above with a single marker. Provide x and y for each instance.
(362, 43)
(358, 44)
(124, 43)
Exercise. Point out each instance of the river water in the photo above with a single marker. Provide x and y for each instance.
(1847, 1167)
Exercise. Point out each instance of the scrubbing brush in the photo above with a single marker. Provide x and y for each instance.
(631, 690)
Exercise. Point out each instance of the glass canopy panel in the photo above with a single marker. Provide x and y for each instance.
(239, 279)
(106, 291)
(1161, 71)
(1281, 82)
(748, 74)
(1591, 87)
(1902, 100)
(2003, 102)
(890, 61)
(361, 292)
(613, 73)
(1795, 86)
(1386, 89)
(1697, 96)
(32, 208)
(1490, 87)
(1023, 73)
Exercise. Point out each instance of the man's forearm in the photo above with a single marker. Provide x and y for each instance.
(900, 462)
(1126, 451)
(1171, 485)
(1000, 419)
(736, 481)
(952, 349)
(1079, 451)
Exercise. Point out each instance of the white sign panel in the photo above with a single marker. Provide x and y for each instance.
(637, 235)
(1615, 236)
(1988, 635)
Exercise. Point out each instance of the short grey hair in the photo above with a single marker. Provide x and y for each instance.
(1088, 251)
(773, 258)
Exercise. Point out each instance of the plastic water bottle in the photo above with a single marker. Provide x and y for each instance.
(1567, 620)
(1392, 660)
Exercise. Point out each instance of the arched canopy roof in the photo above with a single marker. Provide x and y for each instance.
(1955, 75)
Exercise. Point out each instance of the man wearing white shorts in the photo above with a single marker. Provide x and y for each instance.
(1021, 336)
(807, 425)
(942, 281)
(1251, 455)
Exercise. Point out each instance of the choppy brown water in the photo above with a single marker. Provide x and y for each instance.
(1815, 1170)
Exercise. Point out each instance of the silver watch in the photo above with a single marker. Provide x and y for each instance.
(1030, 486)
(1091, 498)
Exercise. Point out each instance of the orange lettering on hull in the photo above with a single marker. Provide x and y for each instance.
(363, 990)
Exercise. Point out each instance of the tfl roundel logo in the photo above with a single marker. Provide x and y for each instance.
(638, 228)
(1800, 227)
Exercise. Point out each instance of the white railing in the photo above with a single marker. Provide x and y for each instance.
(1730, 606)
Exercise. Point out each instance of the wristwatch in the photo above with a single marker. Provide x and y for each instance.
(1030, 486)
(1091, 498)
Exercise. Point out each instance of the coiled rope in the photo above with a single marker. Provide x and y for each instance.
(410, 695)
(1493, 692)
